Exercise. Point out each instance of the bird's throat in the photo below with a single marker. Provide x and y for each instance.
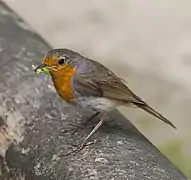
(62, 82)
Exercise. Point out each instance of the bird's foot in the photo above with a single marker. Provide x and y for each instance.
(3, 166)
(76, 128)
(73, 129)
(80, 147)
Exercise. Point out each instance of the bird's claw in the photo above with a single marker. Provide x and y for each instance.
(80, 147)
(72, 130)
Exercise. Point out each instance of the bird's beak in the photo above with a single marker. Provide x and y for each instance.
(40, 66)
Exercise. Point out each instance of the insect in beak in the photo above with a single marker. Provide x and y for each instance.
(39, 67)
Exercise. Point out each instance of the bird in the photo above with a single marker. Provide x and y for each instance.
(88, 84)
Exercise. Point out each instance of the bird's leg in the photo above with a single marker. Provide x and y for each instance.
(3, 165)
(84, 124)
(75, 128)
(84, 142)
(91, 118)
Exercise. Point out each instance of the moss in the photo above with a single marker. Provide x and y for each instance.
(173, 151)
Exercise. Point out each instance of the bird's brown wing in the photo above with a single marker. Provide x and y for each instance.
(112, 87)
(109, 86)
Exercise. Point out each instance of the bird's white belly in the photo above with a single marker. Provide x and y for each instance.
(97, 103)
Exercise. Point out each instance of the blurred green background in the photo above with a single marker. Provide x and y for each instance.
(148, 43)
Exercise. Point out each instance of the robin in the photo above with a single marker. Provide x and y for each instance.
(88, 84)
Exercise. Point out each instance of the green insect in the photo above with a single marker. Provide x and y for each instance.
(42, 70)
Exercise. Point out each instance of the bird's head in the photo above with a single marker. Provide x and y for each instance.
(57, 59)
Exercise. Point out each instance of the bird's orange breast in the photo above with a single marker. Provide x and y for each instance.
(62, 82)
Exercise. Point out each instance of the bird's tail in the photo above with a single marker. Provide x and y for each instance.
(151, 111)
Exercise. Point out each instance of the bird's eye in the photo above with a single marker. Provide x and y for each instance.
(61, 61)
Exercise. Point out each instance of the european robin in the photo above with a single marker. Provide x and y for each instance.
(88, 84)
